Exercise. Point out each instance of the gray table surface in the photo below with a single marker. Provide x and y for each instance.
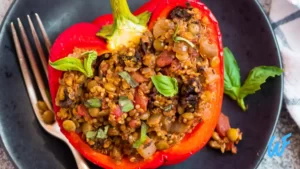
(290, 158)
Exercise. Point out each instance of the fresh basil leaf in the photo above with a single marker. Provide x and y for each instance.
(91, 135)
(232, 79)
(143, 136)
(257, 77)
(126, 76)
(88, 61)
(68, 64)
(125, 103)
(102, 134)
(165, 85)
(93, 103)
(241, 103)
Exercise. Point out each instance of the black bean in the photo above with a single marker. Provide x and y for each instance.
(189, 102)
(181, 13)
(67, 102)
(98, 61)
(190, 87)
(144, 47)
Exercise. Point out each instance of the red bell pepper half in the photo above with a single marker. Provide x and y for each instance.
(83, 36)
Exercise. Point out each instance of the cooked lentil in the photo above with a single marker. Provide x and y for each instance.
(168, 118)
(227, 143)
(46, 114)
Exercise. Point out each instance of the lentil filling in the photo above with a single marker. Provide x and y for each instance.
(124, 110)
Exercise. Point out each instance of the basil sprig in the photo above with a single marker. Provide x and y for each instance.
(256, 77)
(67, 64)
(75, 64)
(165, 85)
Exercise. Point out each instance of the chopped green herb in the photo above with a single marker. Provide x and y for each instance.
(125, 103)
(102, 134)
(143, 136)
(126, 76)
(91, 135)
(165, 85)
(88, 61)
(93, 103)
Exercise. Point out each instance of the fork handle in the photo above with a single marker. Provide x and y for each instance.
(80, 161)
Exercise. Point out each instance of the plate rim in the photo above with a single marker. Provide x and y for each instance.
(4, 23)
(281, 81)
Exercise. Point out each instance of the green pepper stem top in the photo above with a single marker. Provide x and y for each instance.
(121, 9)
(127, 28)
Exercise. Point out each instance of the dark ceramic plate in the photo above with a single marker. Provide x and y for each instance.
(246, 31)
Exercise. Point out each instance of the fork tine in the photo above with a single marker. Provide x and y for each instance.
(38, 45)
(34, 67)
(25, 70)
(44, 33)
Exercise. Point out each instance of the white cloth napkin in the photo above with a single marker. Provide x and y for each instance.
(285, 18)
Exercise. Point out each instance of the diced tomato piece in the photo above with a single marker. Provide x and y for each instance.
(117, 112)
(165, 59)
(138, 77)
(175, 65)
(133, 123)
(223, 125)
(82, 111)
(141, 100)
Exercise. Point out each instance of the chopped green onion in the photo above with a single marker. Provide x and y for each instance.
(126, 76)
(93, 103)
(125, 103)
(143, 136)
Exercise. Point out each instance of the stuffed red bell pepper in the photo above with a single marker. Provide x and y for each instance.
(139, 90)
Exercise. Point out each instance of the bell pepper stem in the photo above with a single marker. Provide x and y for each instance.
(121, 9)
(126, 26)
